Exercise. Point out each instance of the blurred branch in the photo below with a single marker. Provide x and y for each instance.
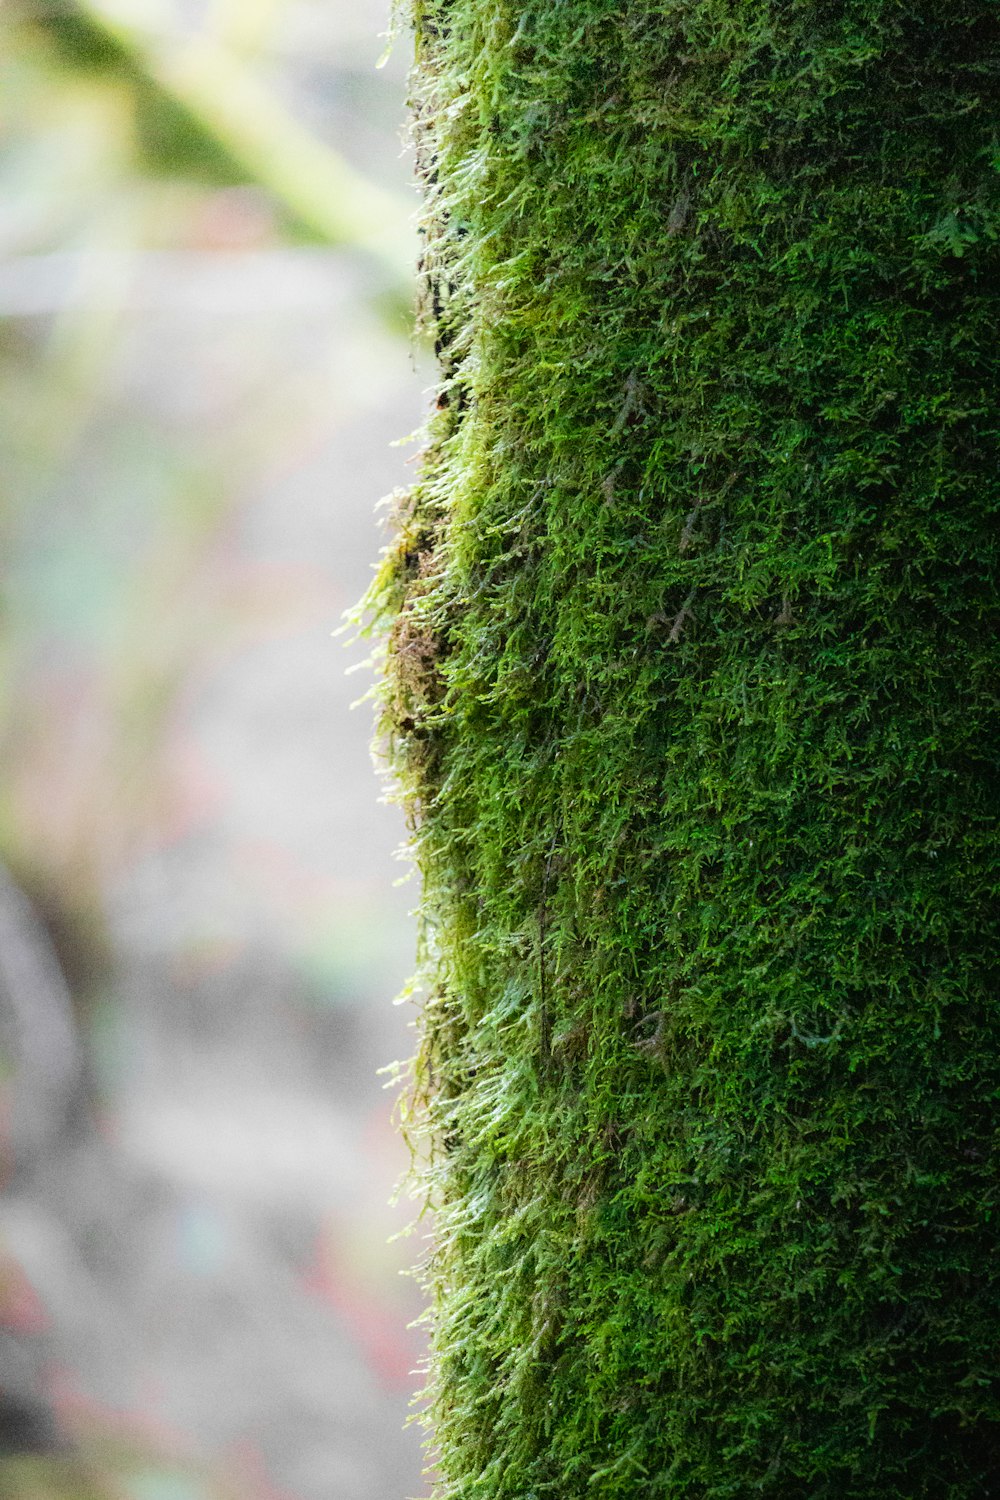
(240, 118)
(36, 1023)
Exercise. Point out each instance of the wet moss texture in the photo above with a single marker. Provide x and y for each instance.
(692, 693)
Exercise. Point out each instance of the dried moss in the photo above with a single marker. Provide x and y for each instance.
(693, 695)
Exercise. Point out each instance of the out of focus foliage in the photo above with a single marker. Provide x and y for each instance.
(178, 197)
(126, 152)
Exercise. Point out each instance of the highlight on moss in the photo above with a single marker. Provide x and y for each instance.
(692, 694)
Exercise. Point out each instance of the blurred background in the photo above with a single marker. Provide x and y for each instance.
(206, 234)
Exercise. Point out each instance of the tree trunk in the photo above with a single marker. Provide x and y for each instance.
(692, 693)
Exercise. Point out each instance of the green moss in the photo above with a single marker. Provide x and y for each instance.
(692, 693)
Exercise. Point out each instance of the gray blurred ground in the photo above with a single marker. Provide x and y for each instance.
(195, 1272)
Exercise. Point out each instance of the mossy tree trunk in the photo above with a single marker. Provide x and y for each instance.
(693, 694)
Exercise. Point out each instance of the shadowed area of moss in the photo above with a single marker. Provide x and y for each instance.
(692, 692)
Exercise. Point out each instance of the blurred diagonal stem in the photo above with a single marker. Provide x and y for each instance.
(240, 117)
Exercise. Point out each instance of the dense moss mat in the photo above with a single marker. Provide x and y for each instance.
(693, 695)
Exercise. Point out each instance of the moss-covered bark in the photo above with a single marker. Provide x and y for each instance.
(693, 692)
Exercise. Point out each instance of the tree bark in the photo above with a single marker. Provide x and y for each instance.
(692, 695)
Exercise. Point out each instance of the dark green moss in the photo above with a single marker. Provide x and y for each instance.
(693, 695)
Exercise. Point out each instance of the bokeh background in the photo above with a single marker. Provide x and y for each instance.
(207, 378)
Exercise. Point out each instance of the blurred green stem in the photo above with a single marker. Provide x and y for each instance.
(239, 115)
